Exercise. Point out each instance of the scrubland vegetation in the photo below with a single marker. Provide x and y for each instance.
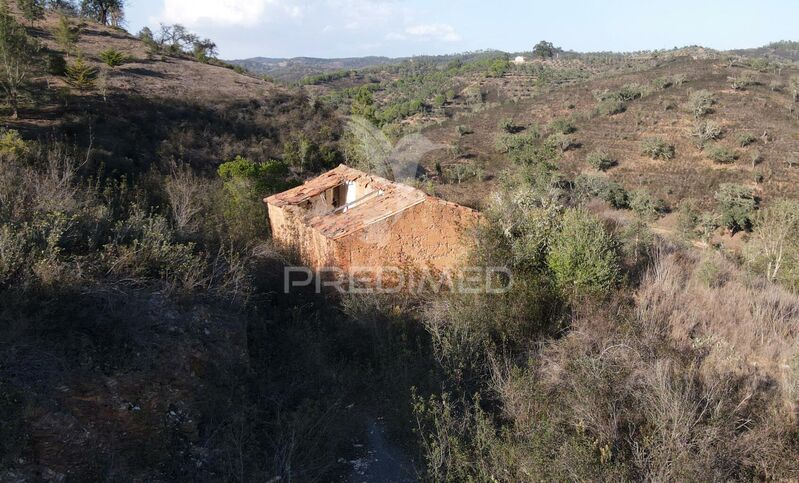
(144, 333)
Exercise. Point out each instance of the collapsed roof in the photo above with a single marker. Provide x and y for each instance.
(384, 199)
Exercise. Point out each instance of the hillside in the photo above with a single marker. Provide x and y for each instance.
(760, 111)
(294, 69)
(638, 228)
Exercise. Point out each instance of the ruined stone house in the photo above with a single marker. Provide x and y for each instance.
(348, 219)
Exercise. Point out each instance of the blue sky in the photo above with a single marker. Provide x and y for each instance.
(354, 28)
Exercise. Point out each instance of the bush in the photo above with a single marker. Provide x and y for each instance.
(646, 207)
(266, 178)
(143, 250)
(600, 160)
(688, 215)
(743, 80)
(80, 75)
(562, 126)
(56, 64)
(66, 34)
(746, 139)
(625, 93)
(584, 256)
(507, 125)
(12, 146)
(679, 79)
(657, 148)
(246, 184)
(706, 131)
(701, 103)
(773, 249)
(507, 143)
(661, 83)
(722, 154)
(113, 58)
(588, 186)
(736, 204)
(794, 87)
(610, 107)
(560, 141)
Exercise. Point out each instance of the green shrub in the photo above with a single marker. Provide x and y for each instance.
(743, 80)
(736, 204)
(56, 64)
(113, 58)
(12, 146)
(81, 75)
(709, 272)
(562, 126)
(600, 160)
(246, 184)
(722, 154)
(646, 207)
(560, 141)
(657, 148)
(794, 87)
(143, 249)
(584, 256)
(266, 178)
(610, 107)
(773, 249)
(661, 83)
(463, 130)
(755, 158)
(706, 131)
(745, 139)
(13, 254)
(66, 34)
(507, 125)
(588, 186)
(701, 103)
(625, 93)
(688, 215)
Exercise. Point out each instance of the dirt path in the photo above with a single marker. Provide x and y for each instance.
(381, 460)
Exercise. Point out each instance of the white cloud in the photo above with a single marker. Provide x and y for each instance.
(245, 13)
(427, 32)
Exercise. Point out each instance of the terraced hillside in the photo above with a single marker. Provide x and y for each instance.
(763, 111)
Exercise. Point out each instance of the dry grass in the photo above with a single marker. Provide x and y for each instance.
(158, 76)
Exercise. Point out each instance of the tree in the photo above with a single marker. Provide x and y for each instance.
(66, 34)
(81, 75)
(774, 246)
(32, 10)
(544, 49)
(204, 49)
(18, 53)
(175, 39)
(363, 104)
(104, 11)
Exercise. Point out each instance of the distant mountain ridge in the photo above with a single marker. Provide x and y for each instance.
(296, 68)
